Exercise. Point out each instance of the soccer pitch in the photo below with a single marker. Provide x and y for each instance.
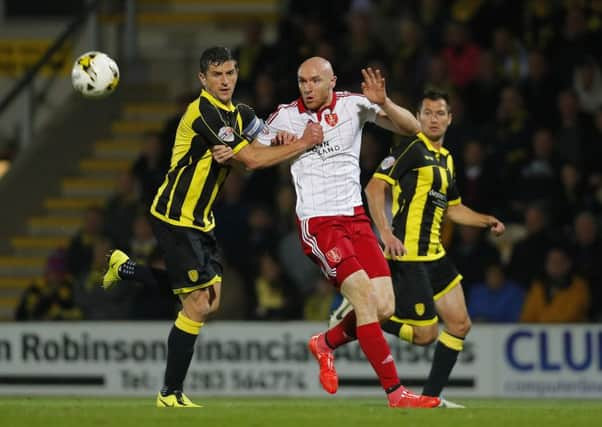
(329, 411)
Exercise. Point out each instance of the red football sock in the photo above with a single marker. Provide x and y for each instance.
(377, 350)
(342, 333)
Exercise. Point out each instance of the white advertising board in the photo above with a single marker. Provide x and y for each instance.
(256, 358)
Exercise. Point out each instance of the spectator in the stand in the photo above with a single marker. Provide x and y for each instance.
(262, 230)
(275, 295)
(572, 128)
(471, 252)
(432, 15)
(121, 209)
(593, 148)
(510, 55)
(497, 299)
(311, 33)
(475, 180)
(572, 44)
(482, 16)
(510, 133)
(149, 168)
(361, 47)
(409, 59)
(539, 89)
(264, 95)
(285, 210)
(586, 249)
(80, 249)
(302, 272)
(233, 230)
(437, 75)
(538, 179)
(143, 243)
(461, 54)
(52, 297)
(326, 14)
(482, 94)
(528, 254)
(540, 23)
(317, 306)
(559, 295)
(572, 197)
(251, 54)
(587, 83)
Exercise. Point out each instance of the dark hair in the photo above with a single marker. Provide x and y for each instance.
(216, 55)
(434, 95)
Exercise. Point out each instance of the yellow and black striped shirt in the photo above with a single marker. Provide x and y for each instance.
(194, 179)
(424, 185)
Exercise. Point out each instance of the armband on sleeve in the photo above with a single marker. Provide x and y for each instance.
(251, 124)
(253, 129)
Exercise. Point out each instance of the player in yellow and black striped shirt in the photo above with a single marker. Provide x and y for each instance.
(182, 217)
(423, 186)
(421, 178)
(419, 174)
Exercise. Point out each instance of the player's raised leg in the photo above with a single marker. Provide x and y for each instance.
(122, 267)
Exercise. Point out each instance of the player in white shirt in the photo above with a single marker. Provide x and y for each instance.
(335, 231)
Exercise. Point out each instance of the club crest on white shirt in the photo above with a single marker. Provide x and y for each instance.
(226, 134)
(387, 162)
(331, 119)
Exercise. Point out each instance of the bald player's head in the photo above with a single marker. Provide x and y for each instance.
(316, 81)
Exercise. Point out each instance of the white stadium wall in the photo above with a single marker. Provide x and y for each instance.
(242, 358)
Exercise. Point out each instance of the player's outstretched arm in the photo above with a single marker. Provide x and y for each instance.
(223, 153)
(462, 214)
(394, 118)
(376, 191)
(256, 155)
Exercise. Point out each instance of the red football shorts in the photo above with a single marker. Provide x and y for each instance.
(342, 245)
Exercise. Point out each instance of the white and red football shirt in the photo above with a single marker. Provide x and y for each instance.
(327, 177)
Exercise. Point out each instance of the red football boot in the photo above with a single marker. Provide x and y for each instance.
(404, 398)
(429, 401)
(328, 375)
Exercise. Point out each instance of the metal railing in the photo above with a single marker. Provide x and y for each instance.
(25, 86)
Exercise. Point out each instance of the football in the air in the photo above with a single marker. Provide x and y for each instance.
(95, 74)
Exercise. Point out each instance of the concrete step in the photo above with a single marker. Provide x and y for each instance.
(135, 127)
(88, 187)
(117, 149)
(38, 245)
(8, 302)
(54, 225)
(178, 13)
(179, 19)
(7, 313)
(149, 111)
(104, 167)
(12, 293)
(17, 282)
(21, 266)
(71, 206)
(72, 202)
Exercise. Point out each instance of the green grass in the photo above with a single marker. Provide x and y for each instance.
(289, 412)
